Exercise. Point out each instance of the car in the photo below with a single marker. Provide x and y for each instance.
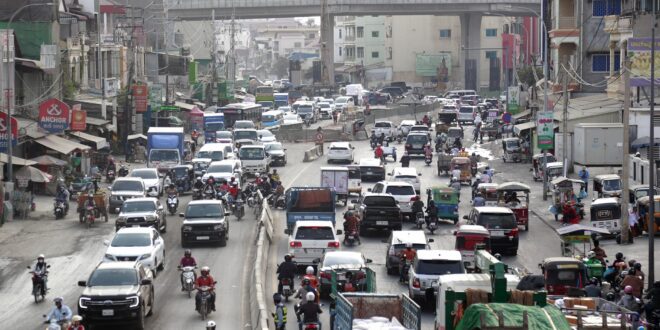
(213, 151)
(404, 127)
(342, 103)
(266, 136)
(309, 240)
(501, 224)
(307, 110)
(143, 244)
(285, 109)
(396, 92)
(341, 262)
(340, 152)
(145, 211)
(224, 169)
(291, 119)
(224, 137)
(403, 192)
(117, 292)
(371, 169)
(407, 174)
(420, 129)
(228, 150)
(378, 211)
(415, 143)
(397, 242)
(426, 269)
(276, 153)
(123, 189)
(205, 221)
(152, 182)
(244, 124)
(244, 135)
(325, 110)
(384, 127)
(254, 159)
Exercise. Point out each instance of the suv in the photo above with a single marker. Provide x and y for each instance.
(380, 211)
(123, 189)
(415, 143)
(152, 182)
(409, 175)
(137, 244)
(117, 292)
(501, 224)
(204, 221)
(426, 269)
(403, 192)
(371, 168)
(397, 243)
(340, 152)
(143, 211)
(309, 240)
(384, 127)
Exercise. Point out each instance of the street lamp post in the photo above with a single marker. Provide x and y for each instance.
(10, 151)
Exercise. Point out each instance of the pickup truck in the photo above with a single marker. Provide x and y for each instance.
(309, 203)
(361, 306)
(384, 127)
(380, 211)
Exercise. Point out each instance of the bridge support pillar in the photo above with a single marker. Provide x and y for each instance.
(327, 49)
(470, 50)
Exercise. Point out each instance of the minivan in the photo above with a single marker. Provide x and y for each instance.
(466, 113)
(415, 143)
(501, 224)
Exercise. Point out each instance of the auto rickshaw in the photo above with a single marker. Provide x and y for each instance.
(444, 163)
(576, 242)
(562, 273)
(607, 185)
(537, 165)
(643, 211)
(510, 195)
(554, 170)
(463, 164)
(447, 116)
(606, 213)
(511, 150)
(638, 191)
(183, 177)
(200, 165)
(467, 239)
(564, 191)
(488, 192)
(446, 201)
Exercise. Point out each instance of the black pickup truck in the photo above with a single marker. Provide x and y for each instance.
(379, 211)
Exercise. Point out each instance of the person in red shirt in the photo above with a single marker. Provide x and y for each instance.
(233, 190)
(187, 261)
(309, 274)
(407, 256)
(76, 323)
(378, 153)
(205, 280)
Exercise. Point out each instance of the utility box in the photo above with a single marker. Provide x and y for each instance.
(597, 144)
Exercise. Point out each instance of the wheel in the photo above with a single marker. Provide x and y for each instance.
(151, 304)
(140, 323)
(527, 226)
(161, 267)
(223, 240)
(164, 226)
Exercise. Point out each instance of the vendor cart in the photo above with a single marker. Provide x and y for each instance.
(100, 201)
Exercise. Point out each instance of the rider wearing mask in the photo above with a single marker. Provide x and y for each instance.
(287, 270)
(63, 196)
(187, 261)
(39, 270)
(479, 200)
(60, 313)
(205, 279)
(310, 311)
(628, 301)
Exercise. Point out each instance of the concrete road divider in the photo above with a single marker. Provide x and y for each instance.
(312, 154)
(259, 313)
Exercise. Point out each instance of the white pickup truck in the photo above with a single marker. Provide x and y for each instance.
(384, 127)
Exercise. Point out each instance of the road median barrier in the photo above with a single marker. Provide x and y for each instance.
(259, 314)
(312, 154)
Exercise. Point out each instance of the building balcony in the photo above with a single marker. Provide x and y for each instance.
(615, 24)
(349, 39)
(565, 26)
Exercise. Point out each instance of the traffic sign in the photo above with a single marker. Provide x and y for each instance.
(168, 108)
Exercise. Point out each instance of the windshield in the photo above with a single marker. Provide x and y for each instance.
(320, 233)
(342, 259)
(214, 127)
(400, 190)
(160, 155)
(127, 186)
(180, 171)
(216, 155)
(465, 110)
(512, 144)
(268, 118)
(265, 133)
(571, 277)
(305, 109)
(405, 177)
(251, 153)
(612, 185)
(379, 201)
(439, 267)
(194, 211)
(223, 135)
(245, 135)
(266, 104)
(496, 221)
(344, 149)
(131, 240)
(144, 174)
(324, 106)
(113, 277)
(417, 139)
(200, 166)
(241, 124)
(342, 100)
(145, 206)
(224, 168)
(383, 124)
(274, 146)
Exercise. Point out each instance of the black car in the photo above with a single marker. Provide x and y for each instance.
(501, 224)
(379, 211)
(205, 221)
(276, 153)
(415, 143)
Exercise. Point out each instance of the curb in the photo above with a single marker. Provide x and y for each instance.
(549, 224)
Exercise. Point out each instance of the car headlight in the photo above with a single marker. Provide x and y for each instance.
(135, 301)
(145, 256)
(186, 228)
(82, 302)
(121, 220)
(218, 227)
(109, 257)
(150, 218)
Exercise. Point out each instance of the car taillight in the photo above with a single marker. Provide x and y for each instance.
(414, 198)
(295, 244)
(311, 327)
(325, 275)
(513, 232)
(416, 283)
(334, 244)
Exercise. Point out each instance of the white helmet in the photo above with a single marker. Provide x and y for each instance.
(478, 177)
(310, 296)
(76, 318)
(409, 245)
(591, 254)
(309, 270)
(41, 256)
(210, 323)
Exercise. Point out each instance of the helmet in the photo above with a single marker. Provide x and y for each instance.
(591, 254)
(199, 178)
(593, 280)
(479, 194)
(210, 324)
(454, 179)
(287, 257)
(76, 318)
(41, 256)
(310, 296)
(305, 281)
(58, 299)
(609, 296)
(277, 298)
(409, 245)
(274, 170)
(619, 255)
(498, 256)
(637, 266)
(172, 185)
(205, 270)
(90, 195)
(187, 253)
(628, 289)
(309, 270)
(478, 176)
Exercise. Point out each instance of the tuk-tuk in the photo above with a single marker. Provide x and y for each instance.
(564, 191)
(562, 273)
(554, 170)
(136, 154)
(643, 211)
(638, 191)
(441, 127)
(183, 177)
(607, 185)
(447, 116)
(354, 180)
(444, 163)
(446, 201)
(511, 150)
(463, 164)
(200, 165)
(488, 192)
(468, 237)
(537, 165)
(509, 195)
(576, 239)
(606, 213)
(454, 133)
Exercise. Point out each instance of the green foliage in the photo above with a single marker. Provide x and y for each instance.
(69, 89)
(526, 75)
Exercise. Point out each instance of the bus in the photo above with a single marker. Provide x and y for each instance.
(240, 111)
(281, 99)
(213, 122)
(264, 93)
(272, 119)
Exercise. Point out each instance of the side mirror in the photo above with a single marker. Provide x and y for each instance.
(430, 240)
(106, 242)
(287, 231)
(419, 174)
(181, 215)
(368, 261)
(145, 281)
(82, 283)
(390, 173)
(355, 201)
(339, 232)
(28, 267)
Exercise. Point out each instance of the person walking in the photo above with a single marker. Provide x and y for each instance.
(584, 176)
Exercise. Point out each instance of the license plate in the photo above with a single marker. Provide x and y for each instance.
(203, 238)
(286, 288)
(108, 312)
(497, 233)
(314, 250)
(381, 223)
(370, 173)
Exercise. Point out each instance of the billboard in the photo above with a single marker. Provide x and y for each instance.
(78, 118)
(436, 65)
(53, 116)
(4, 137)
(639, 51)
(545, 130)
(513, 104)
(140, 96)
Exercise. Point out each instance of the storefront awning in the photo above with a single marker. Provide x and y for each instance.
(524, 126)
(97, 121)
(99, 141)
(16, 160)
(522, 114)
(61, 145)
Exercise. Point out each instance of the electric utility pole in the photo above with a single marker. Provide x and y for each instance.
(625, 224)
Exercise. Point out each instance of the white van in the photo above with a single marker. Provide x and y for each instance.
(459, 283)
(466, 113)
(213, 151)
(254, 159)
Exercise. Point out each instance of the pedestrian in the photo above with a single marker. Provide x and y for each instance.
(633, 220)
(584, 176)
(280, 312)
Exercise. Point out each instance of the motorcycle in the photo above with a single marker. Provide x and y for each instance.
(123, 171)
(110, 176)
(60, 209)
(428, 159)
(89, 215)
(197, 194)
(172, 204)
(419, 220)
(181, 186)
(277, 201)
(432, 225)
(399, 139)
(209, 193)
(286, 288)
(308, 121)
(39, 289)
(350, 238)
(188, 274)
(239, 209)
(204, 304)
(311, 326)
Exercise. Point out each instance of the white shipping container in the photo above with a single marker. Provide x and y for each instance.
(598, 144)
(335, 177)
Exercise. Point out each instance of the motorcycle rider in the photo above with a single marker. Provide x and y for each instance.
(600, 253)
(279, 317)
(187, 261)
(62, 196)
(405, 159)
(593, 290)
(381, 139)
(275, 177)
(479, 200)
(373, 141)
(432, 212)
(303, 290)
(171, 190)
(628, 300)
(61, 313)
(378, 152)
(635, 282)
(456, 172)
(406, 256)
(428, 151)
(475, 184)
(474, 162)
(199, 184)
(39, 272)
(426, 120)
(205, 279)
(309, 274)
(287, 270)
(310, 311)
(417, 205)
(455, 184)
(351, 225)
(76, 323)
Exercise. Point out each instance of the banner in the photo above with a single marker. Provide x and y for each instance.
(78, 119)
(54, 116)
(545, 130)
(140, 98)
(4, 137)
(438, 66)
(639, 51)
(513, 105)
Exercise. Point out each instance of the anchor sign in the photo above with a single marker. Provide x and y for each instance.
(3, 125)
(54, 116)
(4, 137)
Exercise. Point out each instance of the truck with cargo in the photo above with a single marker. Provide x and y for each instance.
(351, 309)
(355, 91)
(309, 203)
(165, 147)
(281, 99)
(336, 178)
(598, 144)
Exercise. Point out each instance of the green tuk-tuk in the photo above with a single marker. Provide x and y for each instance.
(446, 201)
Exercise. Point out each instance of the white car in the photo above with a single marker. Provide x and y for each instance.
(342, 102)
(384, 127)
(404, 127)
(407, 174)
(291, 118)
(311, 239)
(403, 192)
(340, 152)
(266, 136)
(284, 108)
(152, 183)
(224, 169)
(143, 244)
(325, 110)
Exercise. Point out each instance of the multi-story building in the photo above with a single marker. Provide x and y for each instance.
(360, 49)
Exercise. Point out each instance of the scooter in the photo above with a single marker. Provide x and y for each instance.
(420, 220)
(60, 209)
(311, 326)
(432, 225)
(204, 304)
(209, 193)
(89, 215)
(239, 209)
(172, 204)
(286, 288)
(38, 285)
(197, 194)
(428, 159)
(277, 201)
(110, 176)
(350, 238)
(188, 274)
(123, 171)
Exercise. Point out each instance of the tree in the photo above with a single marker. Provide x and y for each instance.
(310, 22)
(526, 75)
(281, 67)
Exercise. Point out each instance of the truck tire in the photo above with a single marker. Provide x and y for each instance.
(223, 240)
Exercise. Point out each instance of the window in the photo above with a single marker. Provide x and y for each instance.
(360, 32)
(606, 7)
(374, 34)
(339, 33)
(445, 33)
(297, 45)
(389, 53)
(360, 52)
(374, 54)
(491, 54)
(339, 51)
(601, 62)
(491, 32)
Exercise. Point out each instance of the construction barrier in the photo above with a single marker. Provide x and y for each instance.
(312, 154)
(259, 314)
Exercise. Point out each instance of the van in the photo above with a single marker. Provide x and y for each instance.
(426, 269)
(462, 92)
(254, 159)
(213, 151)
(466, 113)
